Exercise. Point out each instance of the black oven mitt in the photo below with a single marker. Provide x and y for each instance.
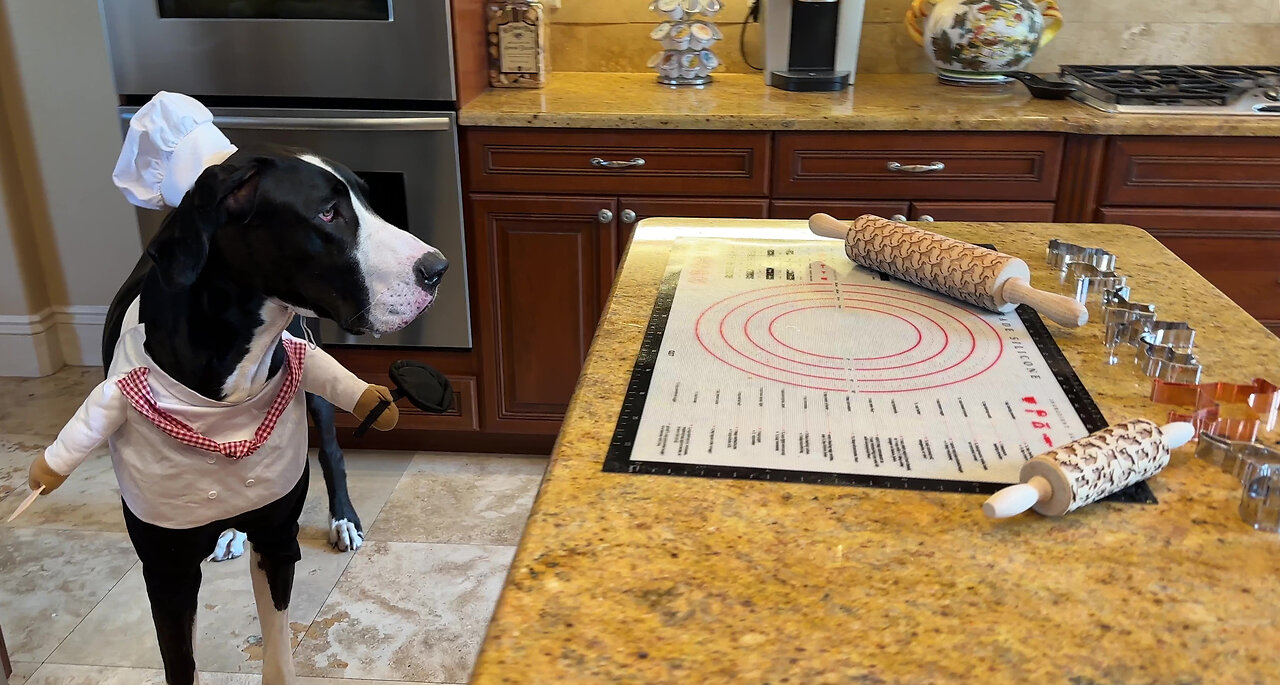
(426, 388)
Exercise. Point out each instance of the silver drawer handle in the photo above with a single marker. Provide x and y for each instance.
(917, 168)
(897, 217)
(926, 217)
(628, 216)
(616, 164)
(604, 216)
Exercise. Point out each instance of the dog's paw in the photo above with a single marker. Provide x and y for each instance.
(230, 545)
(344, 535)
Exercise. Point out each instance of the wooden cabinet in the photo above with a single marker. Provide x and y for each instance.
(939, 210)
(544, 265)
(544, 255)
(704, 164)
(1236, 250)
(935, 166)
(982, 211)
(1192, 172)
(840, 209)
(1214, 201)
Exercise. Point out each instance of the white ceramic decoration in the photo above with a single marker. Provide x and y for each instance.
(977, 41)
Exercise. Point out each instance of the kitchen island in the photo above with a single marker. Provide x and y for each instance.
(625, 578)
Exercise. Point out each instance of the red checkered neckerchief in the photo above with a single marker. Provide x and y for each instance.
(134, 386)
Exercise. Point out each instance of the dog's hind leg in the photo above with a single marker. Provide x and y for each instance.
(174, 593)
(171, 570)
(345, 531)
(272, 587)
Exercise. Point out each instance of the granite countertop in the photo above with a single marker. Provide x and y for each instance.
(658, 579)
(877, 102)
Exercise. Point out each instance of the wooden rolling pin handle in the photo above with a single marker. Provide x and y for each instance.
(828, 226)
(1061, 309)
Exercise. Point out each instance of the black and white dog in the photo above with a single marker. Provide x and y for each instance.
(346, 532)
(258, 240)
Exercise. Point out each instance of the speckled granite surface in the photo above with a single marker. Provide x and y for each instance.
(657, 579)
(878, 102)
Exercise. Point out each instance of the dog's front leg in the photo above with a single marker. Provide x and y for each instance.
(345, 531)
(272, 586)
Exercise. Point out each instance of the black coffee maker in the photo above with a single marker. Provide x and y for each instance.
(811, 45)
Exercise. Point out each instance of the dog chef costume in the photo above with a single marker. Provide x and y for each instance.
(183, 460)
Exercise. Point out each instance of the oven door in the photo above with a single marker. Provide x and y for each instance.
(409, 160)
(375, 49)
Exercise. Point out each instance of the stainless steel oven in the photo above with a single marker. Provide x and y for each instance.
(410, 161)
(371, 49)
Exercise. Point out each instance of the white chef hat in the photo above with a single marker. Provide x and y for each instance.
(171, 140)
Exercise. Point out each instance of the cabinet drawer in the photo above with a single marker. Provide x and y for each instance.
(1202, 172)
(675, 163)
(1000, 166)
(840, 209)
(983, 211)
(1238, 251)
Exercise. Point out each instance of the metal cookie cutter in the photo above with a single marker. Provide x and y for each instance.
(1117, 311)
(1164, 350)
(1060, 254)
(1260, 402)
(1257, 467)
(1090, 280)
(1167, 364)
(1174, 334)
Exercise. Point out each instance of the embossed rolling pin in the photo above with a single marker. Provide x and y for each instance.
(1086, 470)
(973, 274)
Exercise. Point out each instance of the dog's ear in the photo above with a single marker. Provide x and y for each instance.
(223, 194)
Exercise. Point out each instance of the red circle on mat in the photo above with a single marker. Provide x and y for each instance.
(941, 347)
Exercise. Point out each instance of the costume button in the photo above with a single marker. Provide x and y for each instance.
(212, 460)
(249, 483)
(213, 494)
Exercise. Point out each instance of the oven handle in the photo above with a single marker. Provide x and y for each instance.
(337, 123)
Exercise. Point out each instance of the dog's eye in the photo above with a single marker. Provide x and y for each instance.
(329, 213)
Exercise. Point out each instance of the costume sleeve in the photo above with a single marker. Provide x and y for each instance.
(324, 376)
(101, 414)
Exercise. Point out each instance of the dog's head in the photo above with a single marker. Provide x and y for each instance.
(299, 229)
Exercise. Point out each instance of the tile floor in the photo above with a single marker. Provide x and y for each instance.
(411, 606)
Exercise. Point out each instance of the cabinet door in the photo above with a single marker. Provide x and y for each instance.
(982, 211)
(840, 209)
(545, 265)
(1236, 250)
(642, 208)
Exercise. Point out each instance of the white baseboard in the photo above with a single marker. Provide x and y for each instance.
(80, 332)
(29, 344)
(41, 343)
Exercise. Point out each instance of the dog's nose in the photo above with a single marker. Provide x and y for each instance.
(429, 269)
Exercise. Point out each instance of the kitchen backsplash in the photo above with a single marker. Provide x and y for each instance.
(613, 35)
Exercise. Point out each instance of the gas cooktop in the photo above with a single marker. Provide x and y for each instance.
(1173, 89)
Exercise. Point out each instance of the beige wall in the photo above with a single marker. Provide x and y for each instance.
(612, 35)
(74, 237)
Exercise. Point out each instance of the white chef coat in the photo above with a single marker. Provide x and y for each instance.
(173, 485)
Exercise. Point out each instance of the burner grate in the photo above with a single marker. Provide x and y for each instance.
(1158, 84)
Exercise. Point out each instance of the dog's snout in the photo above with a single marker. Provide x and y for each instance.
(429, 269)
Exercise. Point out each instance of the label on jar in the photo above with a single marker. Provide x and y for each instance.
(518, 45)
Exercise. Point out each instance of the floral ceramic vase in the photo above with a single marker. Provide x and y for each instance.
(977, 41)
